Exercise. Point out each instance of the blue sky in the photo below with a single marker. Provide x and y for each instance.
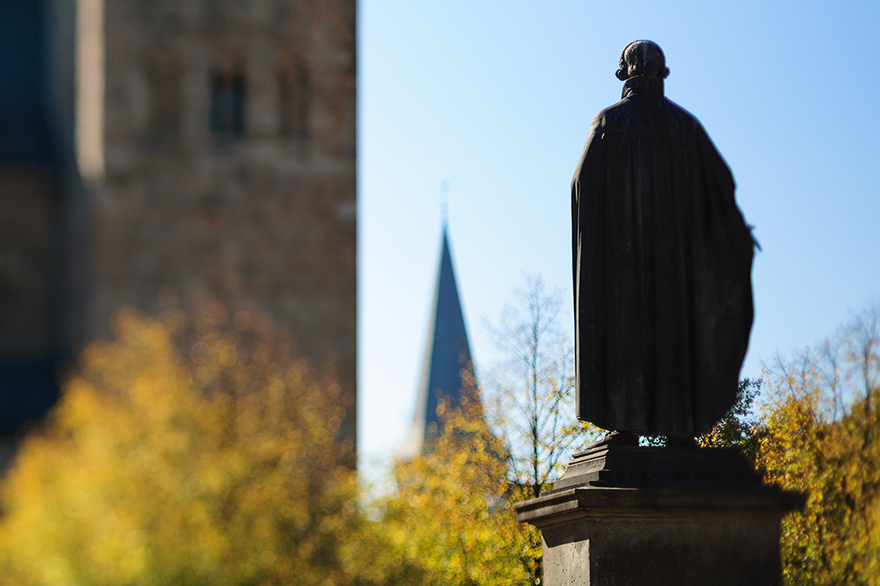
(497, 97)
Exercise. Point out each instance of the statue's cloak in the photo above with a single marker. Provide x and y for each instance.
(662, 270)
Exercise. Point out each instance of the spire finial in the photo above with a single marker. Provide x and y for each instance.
(444, 201)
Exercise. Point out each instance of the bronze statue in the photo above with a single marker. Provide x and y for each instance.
(662, 264)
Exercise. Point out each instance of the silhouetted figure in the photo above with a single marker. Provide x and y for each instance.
(662, 264)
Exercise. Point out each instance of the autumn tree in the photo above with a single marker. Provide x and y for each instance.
(531, 391)
(819, 435)
(186, 451)
(739, 428)
(450, 517)
(450, 521)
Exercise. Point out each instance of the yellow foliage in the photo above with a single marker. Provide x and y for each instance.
(451, 521)
(183, 453)
(819, 435)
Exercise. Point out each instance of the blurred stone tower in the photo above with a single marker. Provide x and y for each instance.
(215, 141)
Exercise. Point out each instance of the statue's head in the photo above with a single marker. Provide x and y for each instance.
(642, 58)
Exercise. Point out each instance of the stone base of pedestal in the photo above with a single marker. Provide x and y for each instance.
(629, 515)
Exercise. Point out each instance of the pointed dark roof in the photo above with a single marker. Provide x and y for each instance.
(447, 353)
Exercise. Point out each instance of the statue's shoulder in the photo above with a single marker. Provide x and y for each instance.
(684, 115)
(612, 115)
(656, 115)
(611, 119)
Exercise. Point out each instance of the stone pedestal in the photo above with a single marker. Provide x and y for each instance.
(630, 515)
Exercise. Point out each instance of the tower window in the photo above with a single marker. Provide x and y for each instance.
(227, 105)
(165, 82)
(294, 100)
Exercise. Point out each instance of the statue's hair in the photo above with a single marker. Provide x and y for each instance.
(642, 58)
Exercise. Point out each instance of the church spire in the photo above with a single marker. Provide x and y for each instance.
(447, 355)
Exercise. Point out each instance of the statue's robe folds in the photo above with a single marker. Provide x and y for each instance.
(662, 271)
